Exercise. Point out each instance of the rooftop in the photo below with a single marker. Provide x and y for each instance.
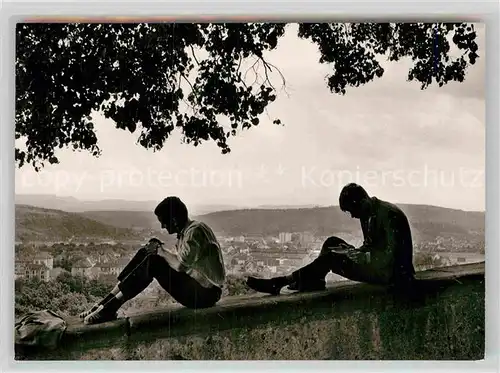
(34, 266)
(117, 263)
(84, 263)
(43, 255)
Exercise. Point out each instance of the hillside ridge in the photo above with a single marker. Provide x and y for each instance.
(428, 222)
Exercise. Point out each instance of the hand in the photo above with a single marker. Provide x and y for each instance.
(341, 247)
(155, 240)
(153, 245)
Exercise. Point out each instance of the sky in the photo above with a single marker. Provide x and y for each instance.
(402, 144)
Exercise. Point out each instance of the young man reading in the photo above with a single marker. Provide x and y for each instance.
(193, 273)
(386, 256)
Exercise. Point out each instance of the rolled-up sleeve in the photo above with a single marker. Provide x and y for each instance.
(190, 246)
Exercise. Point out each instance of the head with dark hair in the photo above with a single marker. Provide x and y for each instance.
(352, 197)
(172, 214)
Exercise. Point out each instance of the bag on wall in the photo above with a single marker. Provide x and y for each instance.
(40, 328)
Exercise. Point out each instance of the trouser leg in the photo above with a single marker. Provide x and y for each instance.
(342, 259)
(137, 275)
(316, 271)
(144, 267)
(182, 287)
(111, 301)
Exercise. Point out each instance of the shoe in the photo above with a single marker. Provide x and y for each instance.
(84, 314)
(260, 285)
(100, 316)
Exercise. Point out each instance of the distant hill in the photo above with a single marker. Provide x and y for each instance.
(428, 222)
(72, 204)
(38, 224)
(125, 219)
(110, 219)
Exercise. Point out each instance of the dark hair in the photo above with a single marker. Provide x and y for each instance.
(351, 195)
(172, 207)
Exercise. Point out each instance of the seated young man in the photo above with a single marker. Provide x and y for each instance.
(193, 273)
(386, 256)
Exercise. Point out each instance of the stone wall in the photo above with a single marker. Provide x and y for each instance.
(442, 317)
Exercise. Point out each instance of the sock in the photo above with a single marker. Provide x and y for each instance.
(103, 301)
(110, 296)
(106, 299)
(116, 289)
(114, 303)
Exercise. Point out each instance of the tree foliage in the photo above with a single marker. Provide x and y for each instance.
(70, 295)
(427, 260)
(154, 78)
(67, 295)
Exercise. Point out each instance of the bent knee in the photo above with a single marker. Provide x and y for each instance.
(333, 241)
(157, 264)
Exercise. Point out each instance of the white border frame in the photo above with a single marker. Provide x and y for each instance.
(487, 12)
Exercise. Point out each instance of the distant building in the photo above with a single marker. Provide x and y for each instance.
(94, 272)
(254, 238)
(104, 258)
(244, 250)
(262, 246)
(266, 261)
(37, 266)
(54, 273)
(82, 268)
(229, 249)
(113, 268)
(38, 271)
(122, 263)
(20, 268)
(239, 260)
(250, 266)
(221, 238)
(110, 279)
(306, 238)
(44, 258)
(285, 237)
(105, 269)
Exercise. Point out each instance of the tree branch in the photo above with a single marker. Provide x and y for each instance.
(194, 55)
(238, 70)
(192, 106)
(269, 66)
(252, 68)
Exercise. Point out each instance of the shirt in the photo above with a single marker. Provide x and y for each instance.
(198, 254)
(387, 241)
